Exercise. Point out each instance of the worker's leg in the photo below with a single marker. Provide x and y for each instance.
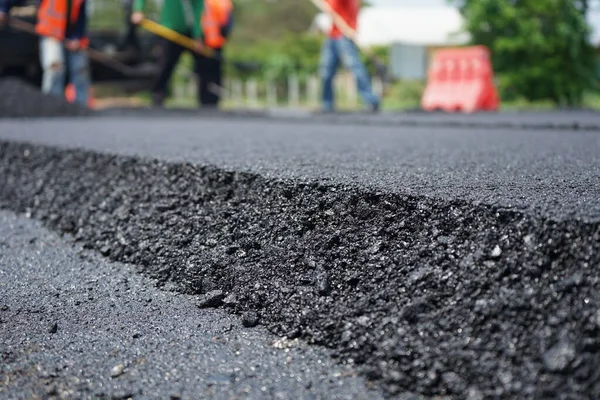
(79, 68)
(210, 75)
(351, 59)
(170, 53)
(329, 64)
(52, 59)
(130, 39)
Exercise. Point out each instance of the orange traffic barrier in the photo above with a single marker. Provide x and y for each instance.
(70, 95)
(461, 80)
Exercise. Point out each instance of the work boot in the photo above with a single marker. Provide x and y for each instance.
(374, 108)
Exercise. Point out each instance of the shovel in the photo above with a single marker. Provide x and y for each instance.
(175, 37)
(95, 55)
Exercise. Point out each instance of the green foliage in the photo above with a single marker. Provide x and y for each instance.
(272, 35)
(404, 94)
(383, 55)
(258, 20)
(269, 39)
(292, 54)
(540, 48)
(110, 15)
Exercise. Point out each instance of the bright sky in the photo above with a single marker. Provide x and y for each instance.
(593, 16)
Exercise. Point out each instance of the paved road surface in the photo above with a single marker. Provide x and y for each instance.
(107, 316)
(556, 119)
(555, 172)
(443, 293)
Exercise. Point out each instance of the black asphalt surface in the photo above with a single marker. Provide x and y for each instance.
(457, 259)
(73, 326)
(20, 100)
(553, 172)
(546, 120)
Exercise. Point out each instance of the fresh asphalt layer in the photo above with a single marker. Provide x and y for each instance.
(554, 172)
(548, 120)
(75, 326)
(455, 261)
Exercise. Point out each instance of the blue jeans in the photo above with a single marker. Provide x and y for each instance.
(53, 57)
(343, 50)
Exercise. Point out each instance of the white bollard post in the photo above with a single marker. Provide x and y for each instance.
(294, 95)
(252, 93)
(226, 96)
(313, 90)
(238, 92)
(271, 93)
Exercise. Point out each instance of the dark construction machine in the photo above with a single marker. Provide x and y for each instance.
(128, 56)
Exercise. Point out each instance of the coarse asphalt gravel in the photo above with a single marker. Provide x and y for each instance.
(74, 326)
(459, 262)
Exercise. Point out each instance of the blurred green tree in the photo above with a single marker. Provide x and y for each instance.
(540, 48)
(263, 36)
(270, 19)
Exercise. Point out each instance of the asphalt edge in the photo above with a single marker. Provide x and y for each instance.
(447, 121)
(332, 234)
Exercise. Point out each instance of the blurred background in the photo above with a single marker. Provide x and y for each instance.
(545, 53)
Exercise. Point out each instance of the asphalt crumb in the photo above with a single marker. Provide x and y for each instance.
(250, 319)
(19, 99)
(119, 345)
(426, 296)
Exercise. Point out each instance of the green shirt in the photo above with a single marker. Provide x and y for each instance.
(173, 15)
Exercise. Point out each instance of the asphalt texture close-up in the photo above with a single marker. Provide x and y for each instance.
(459, 261)
(74, 326)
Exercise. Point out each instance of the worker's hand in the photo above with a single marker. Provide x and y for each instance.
(199, 46)
(3, 19)
(137, 17)
(73, 45)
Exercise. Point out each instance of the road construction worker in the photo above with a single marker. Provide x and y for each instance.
(182, 16)
(217, 23)
(62, 26)
(341, 49)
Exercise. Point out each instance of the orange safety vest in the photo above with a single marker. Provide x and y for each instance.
(52, 18)
(215, 16)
